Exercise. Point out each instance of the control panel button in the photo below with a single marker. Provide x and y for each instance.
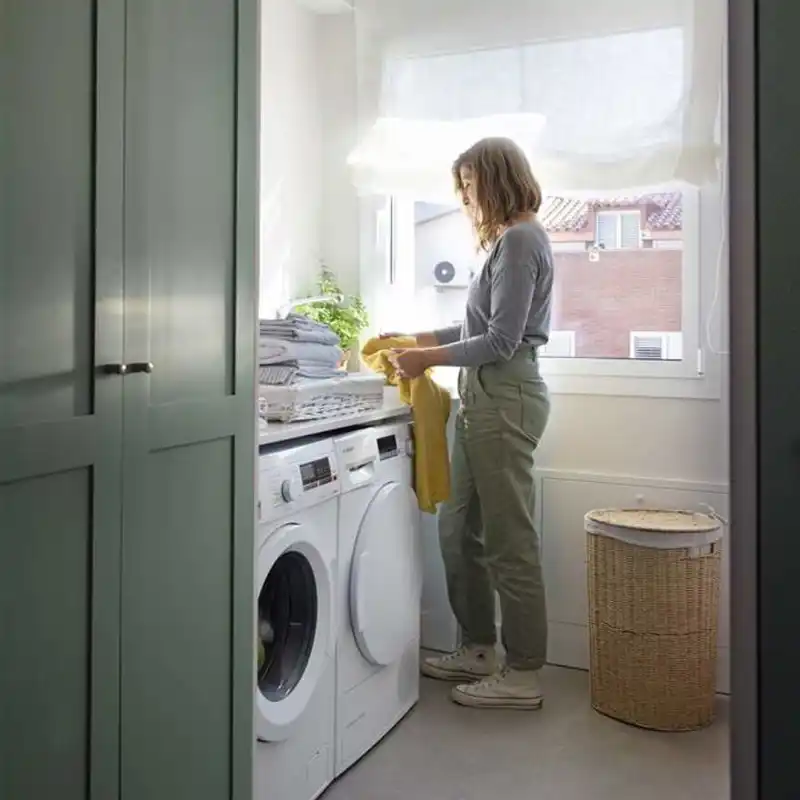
(287, 492)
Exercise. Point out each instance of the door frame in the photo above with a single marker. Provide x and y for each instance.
(743, 403)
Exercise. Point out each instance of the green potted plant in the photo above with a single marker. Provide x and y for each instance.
(345, 315)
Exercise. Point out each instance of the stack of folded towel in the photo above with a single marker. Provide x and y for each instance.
(296, 349)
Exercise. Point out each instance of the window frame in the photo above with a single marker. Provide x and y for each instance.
(698, 376)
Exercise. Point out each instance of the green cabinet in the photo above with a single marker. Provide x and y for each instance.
(127, 431)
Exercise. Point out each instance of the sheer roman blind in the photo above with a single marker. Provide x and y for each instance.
(602, 94)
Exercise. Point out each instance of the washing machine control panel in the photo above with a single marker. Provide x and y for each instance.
(296, 477)
(373, 454)
(388, 446)
(316, 473)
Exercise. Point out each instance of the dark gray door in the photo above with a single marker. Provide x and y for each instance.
(778, 394)
(61, 283)
(765, 397)
(189, 407)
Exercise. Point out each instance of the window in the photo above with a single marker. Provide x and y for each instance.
(600, 295)
(626, 313)
(618, 230)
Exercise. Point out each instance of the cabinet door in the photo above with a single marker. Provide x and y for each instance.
(61, 143)
(190, 293)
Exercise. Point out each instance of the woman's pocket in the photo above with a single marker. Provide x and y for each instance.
(495, 387)
(535, 409)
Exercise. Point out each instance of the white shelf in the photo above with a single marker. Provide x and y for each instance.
(392, 408)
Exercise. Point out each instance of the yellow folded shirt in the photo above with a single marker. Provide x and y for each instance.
(430, 405)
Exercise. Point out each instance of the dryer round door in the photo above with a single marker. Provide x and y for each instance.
(295, 628)
(385, 576)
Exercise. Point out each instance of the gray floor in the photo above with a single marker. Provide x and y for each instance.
(563, 752)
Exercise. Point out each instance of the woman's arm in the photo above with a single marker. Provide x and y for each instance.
(427, 339)
(513, 282)
(444, 336)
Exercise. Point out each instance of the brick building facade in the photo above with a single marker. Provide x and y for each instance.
(603, 302)
(603, 295)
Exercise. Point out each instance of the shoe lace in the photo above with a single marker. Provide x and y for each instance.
(492, 680)
(454, 656)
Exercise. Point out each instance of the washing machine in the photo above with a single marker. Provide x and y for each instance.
(296, 609)
(380, 580)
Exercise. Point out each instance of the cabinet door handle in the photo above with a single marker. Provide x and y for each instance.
(114, 369)
(140, 367)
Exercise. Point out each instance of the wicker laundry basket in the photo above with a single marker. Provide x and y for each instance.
(653, 608)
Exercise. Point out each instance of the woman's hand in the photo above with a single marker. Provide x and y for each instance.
(410, 363)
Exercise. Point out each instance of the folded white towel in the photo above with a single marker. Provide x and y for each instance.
(277, 375)
(281, 351)
(285, 374)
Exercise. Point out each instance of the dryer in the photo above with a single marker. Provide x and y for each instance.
(377, 653)
(296, 621)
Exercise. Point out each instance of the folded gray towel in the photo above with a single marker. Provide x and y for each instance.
(301, 335)
(298, 328)
(283, 351)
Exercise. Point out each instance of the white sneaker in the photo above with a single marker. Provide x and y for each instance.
(508, 688)
(465, 664)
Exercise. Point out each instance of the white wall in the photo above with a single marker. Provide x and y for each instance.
(660, 438)
(338, 108)
(309, 210)
(291, 153)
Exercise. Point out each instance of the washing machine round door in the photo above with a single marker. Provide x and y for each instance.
(295, 627)
(385, 577)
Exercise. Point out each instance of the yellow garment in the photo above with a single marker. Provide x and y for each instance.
(430, 405)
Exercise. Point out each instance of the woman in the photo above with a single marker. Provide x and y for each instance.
(488, 537)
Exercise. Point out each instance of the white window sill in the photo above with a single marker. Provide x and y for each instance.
(701, 387)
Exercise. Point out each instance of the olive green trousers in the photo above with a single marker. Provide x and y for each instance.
(487, 531)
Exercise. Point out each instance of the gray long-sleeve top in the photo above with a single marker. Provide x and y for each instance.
(508, 303)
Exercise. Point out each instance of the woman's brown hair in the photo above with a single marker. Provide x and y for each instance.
(505, 187)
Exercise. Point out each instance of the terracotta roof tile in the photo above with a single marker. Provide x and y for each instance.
(570, 215)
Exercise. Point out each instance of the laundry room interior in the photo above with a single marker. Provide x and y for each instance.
(362, 110)
(365, 400)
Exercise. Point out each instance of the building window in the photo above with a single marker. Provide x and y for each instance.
(656, 345)
(618, 230)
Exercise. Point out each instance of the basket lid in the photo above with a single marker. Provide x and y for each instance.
(655, 520)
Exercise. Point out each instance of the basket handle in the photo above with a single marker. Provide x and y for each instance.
(712, 512)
